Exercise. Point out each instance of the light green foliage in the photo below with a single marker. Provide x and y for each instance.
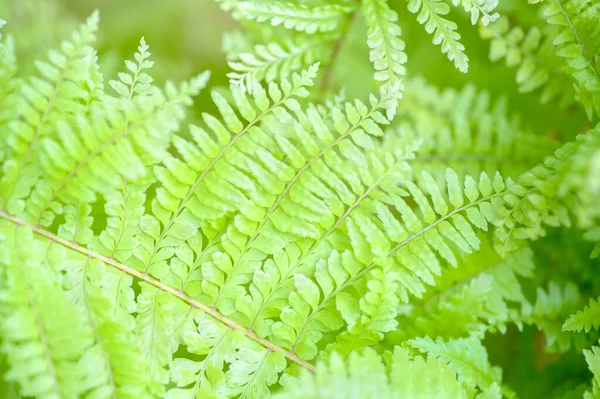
(387, 51)
(330, 225)
(592, 356)
(539, 67)
(324, 18)
(585, 319)
(577, 43)
(431, 14)
(366, 375)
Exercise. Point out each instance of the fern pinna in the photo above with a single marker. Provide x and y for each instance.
(296, 243)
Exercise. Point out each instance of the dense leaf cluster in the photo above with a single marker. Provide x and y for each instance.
(296, 242)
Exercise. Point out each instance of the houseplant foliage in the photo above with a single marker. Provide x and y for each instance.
(300, 242)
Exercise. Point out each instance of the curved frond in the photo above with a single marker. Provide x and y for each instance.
(386, 51)
(431, 14)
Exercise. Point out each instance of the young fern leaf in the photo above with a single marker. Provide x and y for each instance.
(539, 68)
(325, 18)
(431, 14)
(586, 319)
(386, 51)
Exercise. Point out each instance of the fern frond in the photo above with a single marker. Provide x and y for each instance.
(303, 204)
(467, 357)
(136, 127)
(541, 195)
(271, 284)
(59, 92)
(464, 130)
(365, 374)
(577, 44)
(586, 319)
(538, 67)
(479, 296)
(444, 32)
(9, 83)
(61, 358)
(158, 314)
(105, 297)
(192, 188)
(409, 248)
(480, 10)
(592, 357)
(386, 51)
(275, 61)
(551, 308)
(325, 18)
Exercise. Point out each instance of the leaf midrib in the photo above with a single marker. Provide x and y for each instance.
(161, 286)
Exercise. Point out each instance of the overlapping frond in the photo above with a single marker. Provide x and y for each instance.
(464, 130)
(366, 374)
(411, 249)
(467, 357)
(62, 357)
(281, 232)
(114, 142)
(483, 295)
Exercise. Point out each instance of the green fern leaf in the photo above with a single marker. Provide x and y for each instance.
(431, 14)
(386, 51)
(586, 319)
